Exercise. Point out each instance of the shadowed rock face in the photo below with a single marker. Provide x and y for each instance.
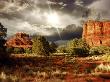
(97, 33)
(19, 40)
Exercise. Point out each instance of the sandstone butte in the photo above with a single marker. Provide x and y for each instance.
(97, 33)
(21, 40)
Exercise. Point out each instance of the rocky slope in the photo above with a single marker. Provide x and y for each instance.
(19, 40)
(97, 33)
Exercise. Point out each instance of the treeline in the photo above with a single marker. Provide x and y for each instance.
(75, 47)
(40, 46)
(79, 47)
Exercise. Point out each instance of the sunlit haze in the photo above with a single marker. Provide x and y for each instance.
(53, 19)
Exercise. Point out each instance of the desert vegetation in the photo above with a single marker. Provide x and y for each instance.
(44, 61)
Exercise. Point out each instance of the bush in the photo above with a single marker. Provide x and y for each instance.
(78, 47)
(18, 50)
(94, 51)
(61, 49)
(3, 54)
(99, 50)
(9, 49)
(105, 57)
(102, 68)
(28, 50)
(78, 52)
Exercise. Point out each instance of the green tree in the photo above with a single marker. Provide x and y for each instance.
(78, 47)
(53, 47)
(40, 46)
(3, 35)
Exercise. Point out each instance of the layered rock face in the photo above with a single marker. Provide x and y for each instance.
(97, 33)
(19, 40)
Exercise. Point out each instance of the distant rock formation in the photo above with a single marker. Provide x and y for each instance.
(19, 40)
(97, 33)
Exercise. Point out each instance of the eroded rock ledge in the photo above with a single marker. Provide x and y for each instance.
(19, 40)
(97, 33)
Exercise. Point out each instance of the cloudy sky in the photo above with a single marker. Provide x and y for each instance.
(55, 19)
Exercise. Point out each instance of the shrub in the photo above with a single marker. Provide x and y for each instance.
(79, 52)
(102, 68)
(99, 50)
(18, 50)
(106, 57)
(61, 49)
(9, 49)
(28, 50)
(94, 51)
(78, 47)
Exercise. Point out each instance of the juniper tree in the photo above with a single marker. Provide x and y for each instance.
(40, 46)
(53, 47)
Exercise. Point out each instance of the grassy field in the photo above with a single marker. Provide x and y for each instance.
(55, 69)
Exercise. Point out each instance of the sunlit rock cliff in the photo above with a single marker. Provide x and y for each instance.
(97, 33)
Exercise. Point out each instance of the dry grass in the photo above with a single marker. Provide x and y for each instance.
(50, 69)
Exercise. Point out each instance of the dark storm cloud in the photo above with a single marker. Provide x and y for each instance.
(100, 8)
(66, 6)
(30, 16)
(71, 31)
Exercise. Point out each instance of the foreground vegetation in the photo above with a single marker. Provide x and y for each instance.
(54, 68)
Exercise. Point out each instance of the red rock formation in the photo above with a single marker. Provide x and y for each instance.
(19, 40)
(97, 33)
